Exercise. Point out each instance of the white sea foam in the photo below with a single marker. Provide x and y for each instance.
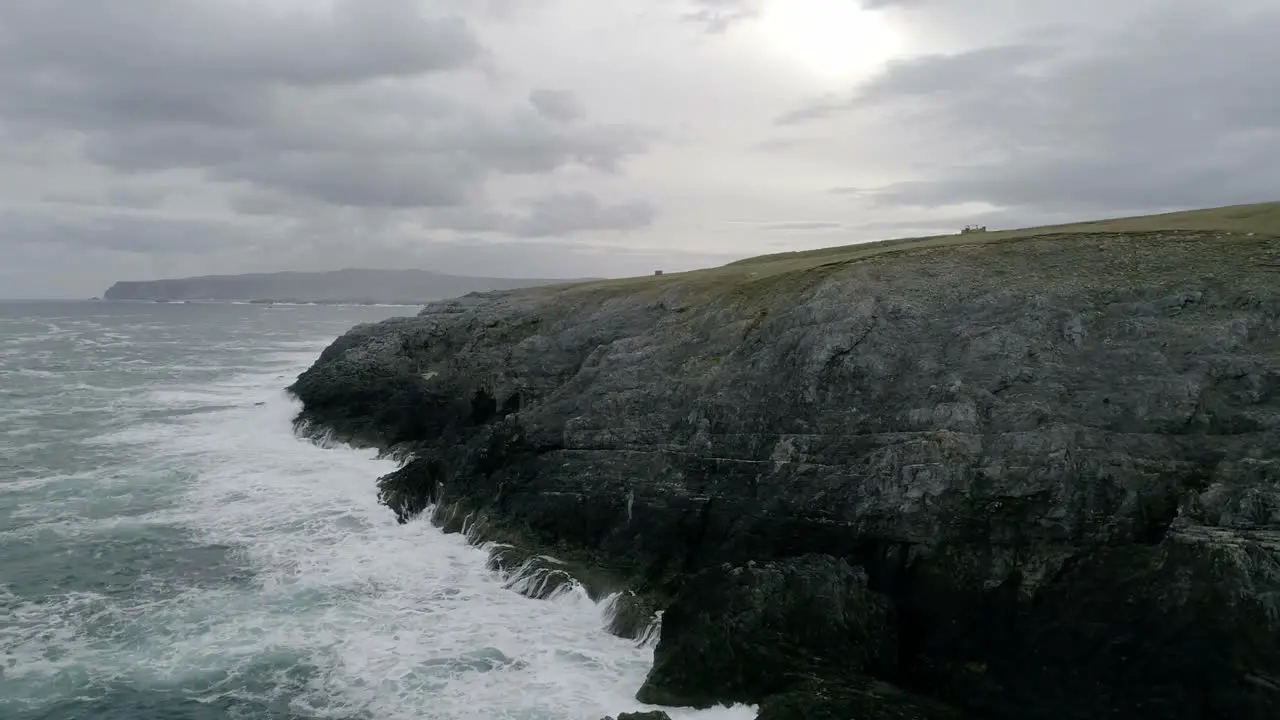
(32, 372)
(329, 604)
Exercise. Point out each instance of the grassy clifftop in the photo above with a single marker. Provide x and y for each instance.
(1260, 219)
(765, 276)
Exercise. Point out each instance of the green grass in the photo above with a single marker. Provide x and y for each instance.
(782, 272)
(1261, 218)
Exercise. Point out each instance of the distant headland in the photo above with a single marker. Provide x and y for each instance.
(352, 286)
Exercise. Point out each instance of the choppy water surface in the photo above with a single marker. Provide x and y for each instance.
(168, 549)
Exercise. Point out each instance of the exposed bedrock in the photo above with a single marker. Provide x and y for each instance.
(744, 633)
(1053, 464)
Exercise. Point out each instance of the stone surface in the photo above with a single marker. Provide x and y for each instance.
(860, 699)
(1059, 457)
(740, 634)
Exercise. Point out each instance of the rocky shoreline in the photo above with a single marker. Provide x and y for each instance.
(1028, 479)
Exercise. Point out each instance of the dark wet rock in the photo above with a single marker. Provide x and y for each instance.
(634, 615)
(743, 633)
(531, 571)
(1112, 636)
(853, 699)
(1059, 457)
(651, 715)
(531, 574)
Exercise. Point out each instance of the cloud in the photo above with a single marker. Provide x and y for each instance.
(104, 230)
(137, 198)
(883, 4)
(70, 198)
(555, 215)
(250, 45)
(342, 178)
(272, 204)
(559, 105)
(802, 225)
(335, 107)
(931, 76)
(1130, 120)
(717, 16)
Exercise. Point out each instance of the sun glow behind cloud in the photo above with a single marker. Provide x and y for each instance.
(829, 39)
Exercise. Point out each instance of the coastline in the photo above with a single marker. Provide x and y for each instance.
(1006, 440)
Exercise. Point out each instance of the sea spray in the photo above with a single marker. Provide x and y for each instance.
(172, 548)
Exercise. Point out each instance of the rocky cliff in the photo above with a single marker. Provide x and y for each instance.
(1035, 478)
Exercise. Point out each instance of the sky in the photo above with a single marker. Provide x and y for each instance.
(142, 139)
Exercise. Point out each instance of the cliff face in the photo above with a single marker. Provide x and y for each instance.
(375, 286)
(1058, 459)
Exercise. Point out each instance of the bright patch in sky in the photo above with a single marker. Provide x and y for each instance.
(830, 38)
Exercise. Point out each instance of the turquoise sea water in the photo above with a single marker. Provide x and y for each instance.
(168, 548)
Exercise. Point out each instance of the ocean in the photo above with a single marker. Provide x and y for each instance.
(169, 549)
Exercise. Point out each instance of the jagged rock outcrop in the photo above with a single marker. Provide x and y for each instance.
(1059, 457)
(744, 633)
(856, 698)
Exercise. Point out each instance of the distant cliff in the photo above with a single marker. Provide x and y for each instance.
(1027, 476)
(354, 286)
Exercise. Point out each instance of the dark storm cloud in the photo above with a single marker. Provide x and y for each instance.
(330, 107)
(121, 232)
(372, 146)
(244, 45)
(97, 66)
(561, 105)
(271, 204)
(552, 216)
(410, 180)
(1177, 108)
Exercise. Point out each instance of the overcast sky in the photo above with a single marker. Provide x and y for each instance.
(159, 138)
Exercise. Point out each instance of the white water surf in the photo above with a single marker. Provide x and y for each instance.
(321, 602)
